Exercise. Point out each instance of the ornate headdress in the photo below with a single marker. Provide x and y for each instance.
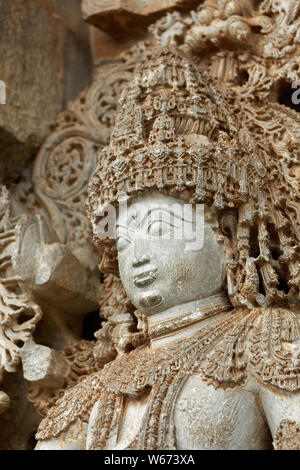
(179, 131)
(176, 131)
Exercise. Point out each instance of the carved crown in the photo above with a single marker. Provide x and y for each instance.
(175, 130)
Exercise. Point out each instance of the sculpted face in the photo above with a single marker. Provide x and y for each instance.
(161, 263)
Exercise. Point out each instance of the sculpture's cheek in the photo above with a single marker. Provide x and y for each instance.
(209, 418)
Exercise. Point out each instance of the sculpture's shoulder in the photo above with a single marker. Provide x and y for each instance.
(75, 404)
(262, 344)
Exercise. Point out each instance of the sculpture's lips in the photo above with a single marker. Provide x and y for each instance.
(145, 279)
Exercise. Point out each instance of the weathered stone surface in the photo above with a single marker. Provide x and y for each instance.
(44, 64)
(43, 365)
(106, 47)
(127, 17)
(18, 423)
(4, 402)
(52, 272)
(68, 13)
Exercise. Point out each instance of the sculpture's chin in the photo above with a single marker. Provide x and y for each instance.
(150, 300)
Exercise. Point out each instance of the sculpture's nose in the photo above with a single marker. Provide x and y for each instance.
(140, 257)
(140, 260)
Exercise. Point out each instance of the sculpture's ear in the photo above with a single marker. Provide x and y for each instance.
(228, 222)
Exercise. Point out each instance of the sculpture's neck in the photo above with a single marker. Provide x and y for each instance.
(184, 320)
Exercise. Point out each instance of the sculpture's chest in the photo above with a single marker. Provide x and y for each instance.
(209, 418)
(198, 417)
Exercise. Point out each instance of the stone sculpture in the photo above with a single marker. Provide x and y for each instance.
(178, 140)
(199, 347)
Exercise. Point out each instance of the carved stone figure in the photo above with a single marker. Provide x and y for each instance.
(215, 361)
(196, 133)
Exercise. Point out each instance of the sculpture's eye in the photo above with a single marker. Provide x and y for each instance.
(159, 228)
(122, 244)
